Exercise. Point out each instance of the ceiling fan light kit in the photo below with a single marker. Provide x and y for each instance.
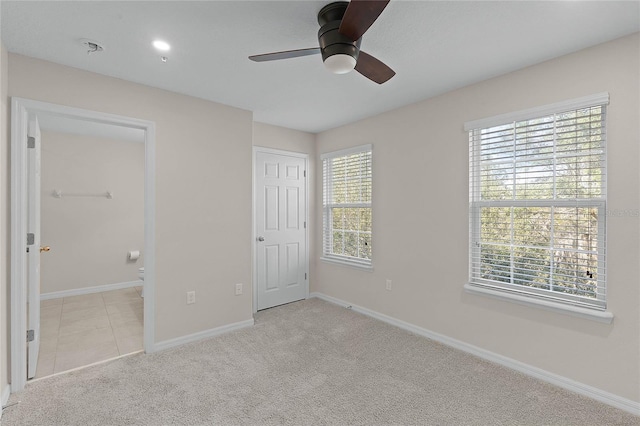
(342, 25)
(340, 63)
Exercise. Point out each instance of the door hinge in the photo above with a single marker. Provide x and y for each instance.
(31, 335)
(31, 142)
(305, 275)
(31, 239)
(305, 225)
(304, 173)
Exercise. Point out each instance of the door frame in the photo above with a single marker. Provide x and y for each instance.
(254, 237)
(21, 110)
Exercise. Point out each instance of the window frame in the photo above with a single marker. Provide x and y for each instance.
(548, 299)
(327, 210)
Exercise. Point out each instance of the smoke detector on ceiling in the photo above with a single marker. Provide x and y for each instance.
(92, 46)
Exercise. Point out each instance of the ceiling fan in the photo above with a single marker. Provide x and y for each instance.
(342, 25)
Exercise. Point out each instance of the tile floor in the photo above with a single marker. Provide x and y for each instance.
(80, 330)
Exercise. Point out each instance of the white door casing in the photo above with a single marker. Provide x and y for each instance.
(21, 112)
(280, 190)
(33, 255)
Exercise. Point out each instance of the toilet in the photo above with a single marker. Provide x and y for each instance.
(141, 276)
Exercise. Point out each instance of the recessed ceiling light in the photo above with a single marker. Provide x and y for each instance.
(161, 45)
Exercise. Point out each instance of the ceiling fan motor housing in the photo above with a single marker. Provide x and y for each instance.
(330, 40)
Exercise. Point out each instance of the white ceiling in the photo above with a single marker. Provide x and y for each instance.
(433, 46)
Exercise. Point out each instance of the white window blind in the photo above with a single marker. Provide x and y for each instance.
(346, 202)
(538, 205)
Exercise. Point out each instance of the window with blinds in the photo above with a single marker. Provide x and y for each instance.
(538, 204)
(346, 203)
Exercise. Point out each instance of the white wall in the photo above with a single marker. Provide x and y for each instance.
(90, 236)
(276, 137)
(420, 214)
(203, 188)
(4, 223)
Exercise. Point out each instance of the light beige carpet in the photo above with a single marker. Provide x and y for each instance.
(307, 363)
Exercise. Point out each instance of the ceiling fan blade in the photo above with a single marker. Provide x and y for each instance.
(285, 55)
(359, 16)
(373, 69)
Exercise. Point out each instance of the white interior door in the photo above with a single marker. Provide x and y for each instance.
(33, 256)
(281, 237)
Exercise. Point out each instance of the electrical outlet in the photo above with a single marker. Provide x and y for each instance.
(238, 289)
(388, 286)
(191, 297)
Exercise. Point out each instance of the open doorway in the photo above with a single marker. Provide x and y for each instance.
(92, 236)
(61, 285)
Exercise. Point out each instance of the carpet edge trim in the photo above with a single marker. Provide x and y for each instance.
(603, 396)
(190, 338)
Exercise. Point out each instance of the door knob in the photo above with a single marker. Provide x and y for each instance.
(260, 238)
(45, 248)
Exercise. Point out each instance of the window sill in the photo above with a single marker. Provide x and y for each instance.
(576, 311)
(354, 265)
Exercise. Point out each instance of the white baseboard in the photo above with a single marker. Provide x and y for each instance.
(90, 290)
(608, 398)
(178, 341)
(6, 393)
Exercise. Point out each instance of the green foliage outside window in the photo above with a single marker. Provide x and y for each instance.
(347, 206)
(540, 202)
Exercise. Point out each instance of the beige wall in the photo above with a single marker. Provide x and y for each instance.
(275, 137)
(420, 202)
(4, 221)
(90, 236)
(203, 188)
